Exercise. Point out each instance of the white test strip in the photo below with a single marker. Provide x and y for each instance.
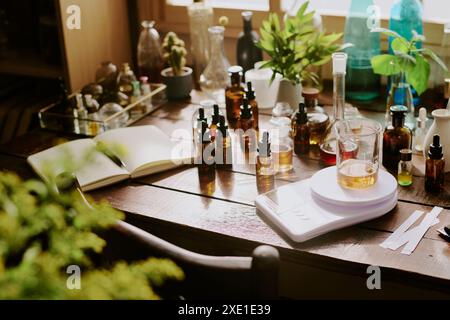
(429, 221)
(394, 238)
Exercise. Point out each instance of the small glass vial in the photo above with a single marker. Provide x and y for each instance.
(125, 80)
(282, 149)
(139, 109)
(92, 107)
(265, 172)
(435, 167)
(404, 176)
(81, 116)
(421, 130)
(250, 95)
(224, 152)
(246, 125)
(234, 95)
(395, 138)
(301, 133)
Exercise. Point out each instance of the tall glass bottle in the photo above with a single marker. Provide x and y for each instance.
(200, 20)
(150, 58)
(406, 16)
(362, 83)
(328, 146)
(234, 95)
(214, 78)
(247, 52)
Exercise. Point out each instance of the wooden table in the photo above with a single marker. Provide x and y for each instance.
(220, 218)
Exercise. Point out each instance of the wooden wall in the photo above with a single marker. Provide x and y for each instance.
(104, 35)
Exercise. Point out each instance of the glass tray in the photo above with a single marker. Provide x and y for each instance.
(52, 118)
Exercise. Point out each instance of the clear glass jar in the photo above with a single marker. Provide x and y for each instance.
(282, 148)
(200, 20)
(214, 78)
(149, 55)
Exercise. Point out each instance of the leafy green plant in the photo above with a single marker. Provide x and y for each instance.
(174, 52)
(42, 232)
(407, 59)
(296, 46)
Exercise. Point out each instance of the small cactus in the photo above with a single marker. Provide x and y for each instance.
(174, 53)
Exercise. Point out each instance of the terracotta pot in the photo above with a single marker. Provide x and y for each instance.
(178, 87)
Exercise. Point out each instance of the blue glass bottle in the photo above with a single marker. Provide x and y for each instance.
(406, 16)
(361, 82)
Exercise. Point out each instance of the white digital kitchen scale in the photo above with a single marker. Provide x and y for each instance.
(312, 207)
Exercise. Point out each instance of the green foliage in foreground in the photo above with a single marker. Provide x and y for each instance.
(43, 232)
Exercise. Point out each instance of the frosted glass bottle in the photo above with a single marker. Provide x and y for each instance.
(361, 82)
(150, 58)
(200, 20)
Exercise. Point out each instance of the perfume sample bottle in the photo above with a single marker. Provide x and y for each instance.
(125, 83)
(215, 119)
(92, 107)
(395, 138)
(265, 172)
(250, 95)
(282, 150)
(301, 132)
(435, 167)
(421, 130)
(139, 109)
(81, 116)
(404, 176)
(234, 95)
(246, 124)
(224, 152)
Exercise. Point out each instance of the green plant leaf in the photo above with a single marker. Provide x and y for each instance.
(386, 64)
(400, 45)
(433, 56)
(387, 32)
(418, 75)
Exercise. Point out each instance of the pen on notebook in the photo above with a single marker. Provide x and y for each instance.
(101, 147)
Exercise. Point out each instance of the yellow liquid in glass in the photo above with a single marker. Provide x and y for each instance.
(357, 174)
(282, 158)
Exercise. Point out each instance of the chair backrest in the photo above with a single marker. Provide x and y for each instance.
(254, 277)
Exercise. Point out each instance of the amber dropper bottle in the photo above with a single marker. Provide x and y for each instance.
(234, 95)
(224, 152)
(301, 132)
(214, 121)
(435, 167)
(246, 124)
(250, 95)
(265, 172)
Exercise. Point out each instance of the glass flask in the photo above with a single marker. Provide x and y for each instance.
(362, 83)
(149, 55)
(400, 94)
(247, 52)
(214, 78)
(200, 20)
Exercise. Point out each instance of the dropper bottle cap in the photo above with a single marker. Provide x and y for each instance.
(246, 111)
(250, 93)
(339, 62)
(201, 115)
(435, 151)
(264, 146)
(302, 116)
(422, 122)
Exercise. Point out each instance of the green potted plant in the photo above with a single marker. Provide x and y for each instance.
(293, 49)
(45, 236)
(178, 77)
(408, 66)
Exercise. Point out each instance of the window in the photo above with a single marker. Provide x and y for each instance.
(256, 5)
(432, 9)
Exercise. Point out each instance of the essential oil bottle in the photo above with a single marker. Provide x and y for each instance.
(246, 124)
(301, 132)
(224, 152)
(395, 138)
(435, 167)
(215, 118)
(404, 176)
(250, 95)
(265, 172)
(234, 95)
(198, 124)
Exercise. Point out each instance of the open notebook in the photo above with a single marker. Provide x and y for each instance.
(148, 151)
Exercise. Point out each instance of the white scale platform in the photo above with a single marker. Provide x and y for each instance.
(312, 207)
